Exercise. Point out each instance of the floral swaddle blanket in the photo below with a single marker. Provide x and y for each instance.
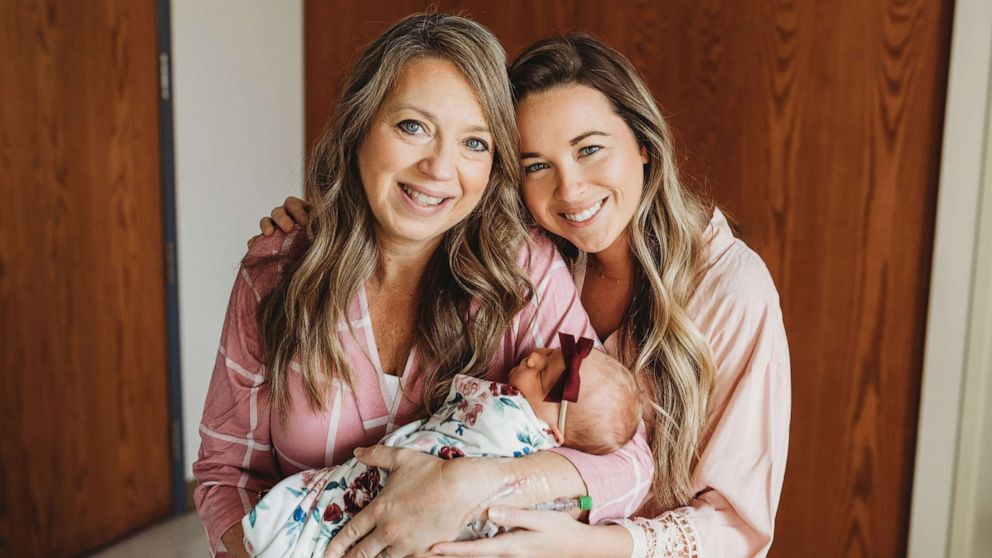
(479, 418)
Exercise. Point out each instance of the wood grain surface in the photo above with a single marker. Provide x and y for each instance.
(83, 408)
(817, 126)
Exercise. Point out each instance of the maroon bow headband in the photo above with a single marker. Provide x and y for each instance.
(567, 387)
(568, 384)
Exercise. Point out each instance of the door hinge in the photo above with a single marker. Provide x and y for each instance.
(177, 441)
(170, 263)
(163, 75)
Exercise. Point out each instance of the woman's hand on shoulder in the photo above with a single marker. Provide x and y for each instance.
(543, 533)
(293, 211)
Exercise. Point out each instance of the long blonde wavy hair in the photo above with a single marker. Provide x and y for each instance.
(475, 285)
(658, 340)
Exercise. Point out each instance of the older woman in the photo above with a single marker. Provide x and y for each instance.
(671, 292)
(414, 267)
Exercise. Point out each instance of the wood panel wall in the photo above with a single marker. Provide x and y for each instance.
(817, 126)
(83, 409)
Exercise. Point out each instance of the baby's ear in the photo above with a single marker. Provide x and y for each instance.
(559, 436)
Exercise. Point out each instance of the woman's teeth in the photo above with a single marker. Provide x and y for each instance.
(585, 215)
(421, 198)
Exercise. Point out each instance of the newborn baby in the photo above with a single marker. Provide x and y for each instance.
(479, 418)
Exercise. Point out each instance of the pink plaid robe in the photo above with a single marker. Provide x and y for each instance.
(243, 452)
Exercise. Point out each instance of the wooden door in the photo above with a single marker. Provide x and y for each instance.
(83, 402)
(817, 126)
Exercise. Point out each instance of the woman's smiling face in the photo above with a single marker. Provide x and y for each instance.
(426, 158)
(583, 168)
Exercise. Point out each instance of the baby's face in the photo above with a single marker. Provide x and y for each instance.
(534, 383)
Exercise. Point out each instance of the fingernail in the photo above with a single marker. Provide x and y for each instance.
(359, 452)
(496, 514)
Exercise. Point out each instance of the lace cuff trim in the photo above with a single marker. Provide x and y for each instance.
(670, 535)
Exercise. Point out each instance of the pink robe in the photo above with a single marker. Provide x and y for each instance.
(738, 478)
(243, 452)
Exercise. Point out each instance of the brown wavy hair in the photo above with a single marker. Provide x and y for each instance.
(473, 276)
(658, 340)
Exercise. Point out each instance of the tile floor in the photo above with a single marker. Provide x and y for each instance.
(179, 537)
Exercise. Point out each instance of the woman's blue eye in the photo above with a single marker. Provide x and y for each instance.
(589, 149)
(411, 127)
(535, 167)
(476, 144)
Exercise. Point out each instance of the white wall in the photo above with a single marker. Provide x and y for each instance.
(971, 513)
(238, 100)
(954, 277)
